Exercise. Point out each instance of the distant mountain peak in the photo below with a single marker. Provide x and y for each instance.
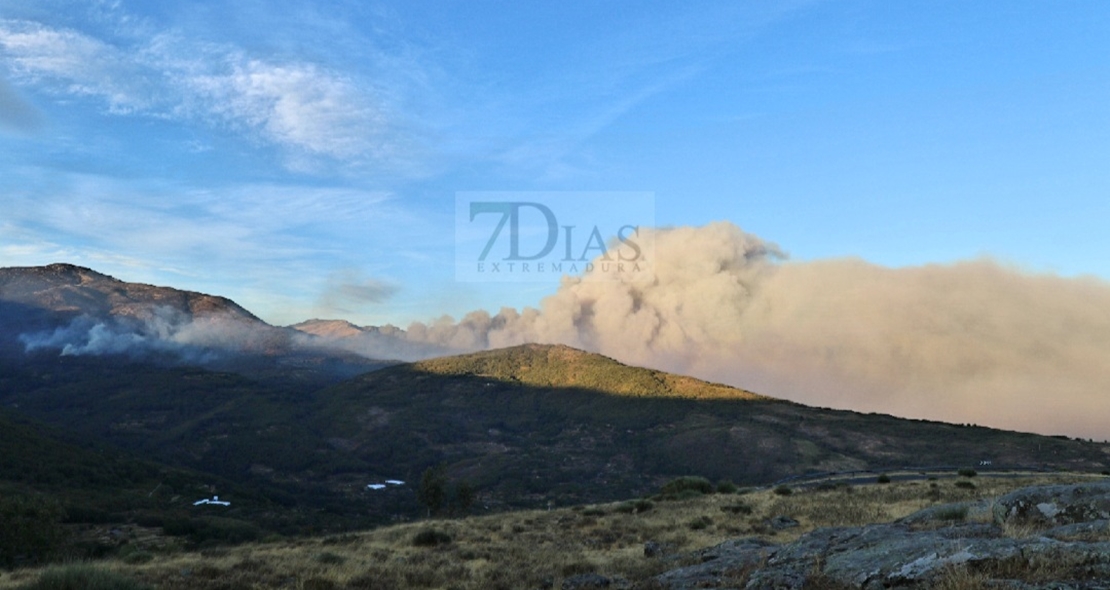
(329, 328)
(71, 289)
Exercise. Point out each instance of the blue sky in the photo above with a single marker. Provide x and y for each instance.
(303, 157)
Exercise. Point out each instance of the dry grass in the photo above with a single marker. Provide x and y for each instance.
(535, 549)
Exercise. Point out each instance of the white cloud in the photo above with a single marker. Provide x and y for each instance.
(308, 110)
(299, 105)
(79, 64)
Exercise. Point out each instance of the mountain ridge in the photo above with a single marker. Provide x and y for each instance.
(69, 289)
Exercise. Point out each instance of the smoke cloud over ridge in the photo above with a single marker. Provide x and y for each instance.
(974, 341)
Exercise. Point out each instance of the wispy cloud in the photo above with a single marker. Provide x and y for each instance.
(309, 111)
(74, 63)
(258, 236)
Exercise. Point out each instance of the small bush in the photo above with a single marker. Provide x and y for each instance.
(783, 490)
(883, 478)
(967, 485)
(957, 512)
(740, 508)
(700, 523)
(83, 577)
(431, 538)
(643, 505)
(690, 482)
(685, 495)
(967, 472)
(594, 512)
(726, 487)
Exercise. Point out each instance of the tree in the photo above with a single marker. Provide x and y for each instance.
(462, 499)
(433, 488)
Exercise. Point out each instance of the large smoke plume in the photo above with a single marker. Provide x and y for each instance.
(974, 341)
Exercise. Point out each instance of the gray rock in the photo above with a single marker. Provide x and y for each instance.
(1096, 529)
(1052, 506)
(918, 550)
(721, 565)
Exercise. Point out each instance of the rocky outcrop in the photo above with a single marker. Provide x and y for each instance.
(1035, 538)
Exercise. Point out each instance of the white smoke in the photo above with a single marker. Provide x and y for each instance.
(973, 341)
(162, 330)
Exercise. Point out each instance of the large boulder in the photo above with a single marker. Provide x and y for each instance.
(1051, 506)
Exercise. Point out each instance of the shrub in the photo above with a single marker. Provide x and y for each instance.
(431, 538)
(676, 487)
(700, 523)
(740, 508)
(783, 490)
(883, 478)
(726, 487)
(83, 577)
(635, 506)
(955, 512)
(967, 485)
(684, 495)
(967, 472)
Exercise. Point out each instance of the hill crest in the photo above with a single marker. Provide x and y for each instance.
(558, 365)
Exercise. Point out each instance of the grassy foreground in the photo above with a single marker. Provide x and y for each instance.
(524, 549)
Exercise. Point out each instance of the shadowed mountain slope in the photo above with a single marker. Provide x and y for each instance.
(537, 422)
